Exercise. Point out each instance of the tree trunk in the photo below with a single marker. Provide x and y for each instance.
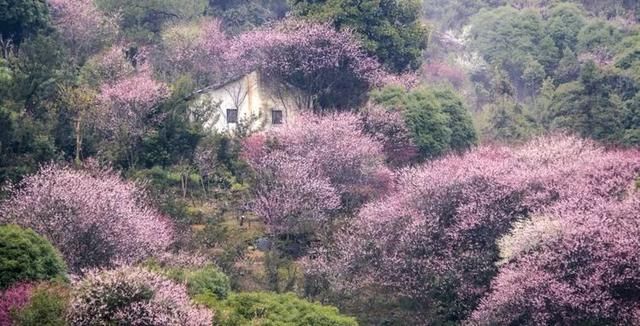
(78, 130)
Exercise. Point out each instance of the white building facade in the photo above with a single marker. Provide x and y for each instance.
(251, 101)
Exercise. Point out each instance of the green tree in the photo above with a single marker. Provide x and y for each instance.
(631, 134)
(568, 68)
(30, 128)
(22, 18)
(599, 36)
(533, 76)
(26, 256)
(628, 56)
(507, 38)
(548, 55)
(591, 106)
(507, 121)
(564, 23)
(436, 117)
(390, 29)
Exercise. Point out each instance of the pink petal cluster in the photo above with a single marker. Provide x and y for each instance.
(307, 170)
(296, 46)
(434, 238)
(13, 298)
(93, 217)
(133, 296)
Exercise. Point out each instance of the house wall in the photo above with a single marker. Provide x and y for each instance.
(254, 98)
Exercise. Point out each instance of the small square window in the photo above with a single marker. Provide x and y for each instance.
(232, 116)
(276, 117)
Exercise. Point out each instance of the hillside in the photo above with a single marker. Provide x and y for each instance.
(316, 163)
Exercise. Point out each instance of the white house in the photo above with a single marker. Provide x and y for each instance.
(251, 100)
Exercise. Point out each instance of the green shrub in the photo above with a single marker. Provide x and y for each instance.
(26, 256)
(204, 280)
(262, 308)
(47, 306)
(208, 281)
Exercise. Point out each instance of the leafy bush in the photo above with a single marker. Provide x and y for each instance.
(436, 118)
(262, 308)
(47, 306)
(131, 295)
(26, 256)
(201, 278)
(208, 280)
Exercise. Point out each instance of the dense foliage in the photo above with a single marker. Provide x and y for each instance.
(27, 257)
(19, 19)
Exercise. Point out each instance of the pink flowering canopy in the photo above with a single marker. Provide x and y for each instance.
(92, 216)
(133, 296)
(202, 49)
(128, 102)
(81, 24)
(128, 108)
(588, 272)
(331, 69)
(309, 170)
(434, 239)
(329, 66)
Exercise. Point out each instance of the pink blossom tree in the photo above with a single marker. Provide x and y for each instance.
(128, 109)
(328, 69)
(433, 240)
(85, 28)
(331, 67)
(201, 49)
(133, 296)
(309, 170)
(585, 272)
(92, 216)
